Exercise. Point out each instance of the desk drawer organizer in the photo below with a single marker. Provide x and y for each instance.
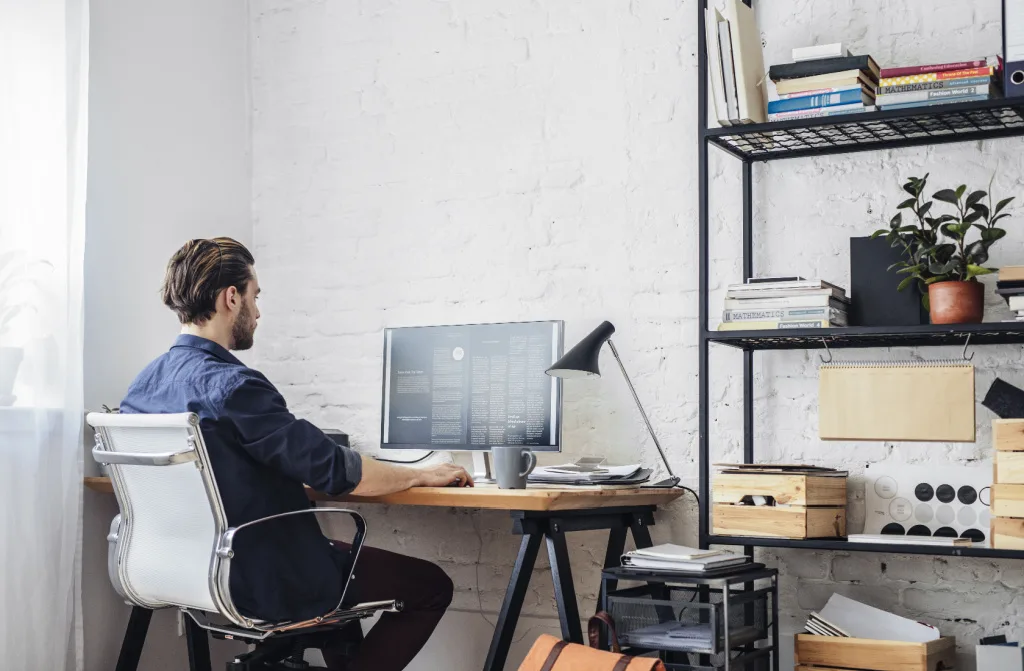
(730, 628)
(828, 653)
(1008, 484)
(800, 505)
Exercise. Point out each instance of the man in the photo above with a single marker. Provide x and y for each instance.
(262, 455)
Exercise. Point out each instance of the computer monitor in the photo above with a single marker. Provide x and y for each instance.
(472, 387)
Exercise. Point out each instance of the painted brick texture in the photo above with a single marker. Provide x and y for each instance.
(474, 160)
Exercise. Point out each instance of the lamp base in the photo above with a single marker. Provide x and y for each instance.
(667, 483)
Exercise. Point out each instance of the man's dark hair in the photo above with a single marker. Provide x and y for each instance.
(199, 271)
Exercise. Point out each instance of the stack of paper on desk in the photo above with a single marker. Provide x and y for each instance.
(669, 557)
(575, 474)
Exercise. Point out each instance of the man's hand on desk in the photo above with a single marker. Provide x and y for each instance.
(443, 475)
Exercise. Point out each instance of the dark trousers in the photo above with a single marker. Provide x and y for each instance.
(423, 588)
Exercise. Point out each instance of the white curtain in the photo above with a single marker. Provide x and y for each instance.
(43, 124)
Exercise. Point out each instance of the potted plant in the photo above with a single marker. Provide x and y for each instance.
(939, 255)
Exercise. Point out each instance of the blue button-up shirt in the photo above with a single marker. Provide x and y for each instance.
(261, 456)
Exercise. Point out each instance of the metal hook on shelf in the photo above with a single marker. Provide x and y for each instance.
(964, 354)
(829, 352)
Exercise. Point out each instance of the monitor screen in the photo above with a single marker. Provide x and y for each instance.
(472, 387)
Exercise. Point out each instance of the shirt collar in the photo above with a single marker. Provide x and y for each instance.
(196, 342)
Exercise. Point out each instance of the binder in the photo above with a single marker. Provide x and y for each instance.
(900, 400)
(1013, 48)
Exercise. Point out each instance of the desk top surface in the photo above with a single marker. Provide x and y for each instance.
(490, 497)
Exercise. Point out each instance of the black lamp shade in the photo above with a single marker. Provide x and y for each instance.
(581, 360)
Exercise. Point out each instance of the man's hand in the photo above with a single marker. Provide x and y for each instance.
(443, 475)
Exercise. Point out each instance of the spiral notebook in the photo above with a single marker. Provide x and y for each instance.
(899, 400)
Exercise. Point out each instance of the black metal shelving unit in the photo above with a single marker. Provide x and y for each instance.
(960, 122)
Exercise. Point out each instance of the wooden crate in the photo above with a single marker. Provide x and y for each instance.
(1009, 468)
(796, 490)
(779, 521)
(1007, 533)
(1008, 435)
(825, 653)
(1007, 500)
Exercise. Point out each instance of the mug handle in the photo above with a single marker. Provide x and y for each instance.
(533, 464)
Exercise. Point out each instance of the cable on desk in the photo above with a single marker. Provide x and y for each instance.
(696, 496)
(397, 461)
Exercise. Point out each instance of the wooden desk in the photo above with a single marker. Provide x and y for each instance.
(538, 514)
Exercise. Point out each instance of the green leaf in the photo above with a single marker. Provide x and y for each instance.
(898, 264)
(933, 280)
(924, 208)
(981, 207)
(907, 281)
(990, 235)
(973, 217)
(924, 301)
(974, 270)
(909, 202)
(946, 196)
(960, 191)
(910, 269)
(911, 187)
(879, 233)
(1001, 204)
(896, 221)
(975, 197)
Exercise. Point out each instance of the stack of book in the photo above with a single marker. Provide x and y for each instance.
(783, 303)
(735, 64)
(669, 557)
(924, 85)
(1010, 285)
(823, 87)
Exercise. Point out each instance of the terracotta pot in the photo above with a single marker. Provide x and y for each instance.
(956, 302)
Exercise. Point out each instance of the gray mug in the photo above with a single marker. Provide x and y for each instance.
(511, 465)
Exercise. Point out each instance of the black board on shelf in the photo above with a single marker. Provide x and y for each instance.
(874, 296)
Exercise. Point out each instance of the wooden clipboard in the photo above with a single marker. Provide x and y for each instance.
(914, 400)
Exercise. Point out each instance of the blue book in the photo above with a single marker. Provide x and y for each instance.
(931, 103)
(853, 96)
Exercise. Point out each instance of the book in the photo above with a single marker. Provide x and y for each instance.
(910, 540)
(928, 96)
(728, 71)
(806, 103)
(936, 76)
(824, 66)
(766, 280)
(677, 552)
(930, 86)
(930, 103)
(783, 292)
(697, 565)
(835, 79)
(821, 112)
(785, 314)
(832, 89)
(711, 19)
(836, 50)
(818, 300)
(748, 60)
(1016, 303)
(1011, 274)
(941, 67)
(773, 283)
(776, 325)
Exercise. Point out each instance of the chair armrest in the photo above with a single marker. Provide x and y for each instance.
(225, 548)
(144, 458)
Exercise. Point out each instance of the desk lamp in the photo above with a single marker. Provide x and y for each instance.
(581, 361)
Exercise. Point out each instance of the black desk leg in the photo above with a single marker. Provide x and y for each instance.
(198, 646)
(511, 606)
(565, 591)
(134, 639)
(641, 534)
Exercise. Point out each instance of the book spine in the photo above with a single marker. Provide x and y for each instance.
(931, 86)
(783, 314)
(822, 91)
(814, 102)
(812, 324)
(817, 113)
(928, 96)
(923, 69)
(936, 76)
(929, 103)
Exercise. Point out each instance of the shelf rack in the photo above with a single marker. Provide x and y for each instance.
(958, 122)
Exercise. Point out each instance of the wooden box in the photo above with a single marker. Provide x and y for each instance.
(1009, 468)
(779, 521)
(1007, 533)
(828, 653)
(1008, 435)
(796, 490)
(1007, 500)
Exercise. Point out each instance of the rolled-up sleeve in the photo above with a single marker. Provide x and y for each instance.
(275, 437)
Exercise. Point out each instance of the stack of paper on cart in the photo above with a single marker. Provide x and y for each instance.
(669, 557)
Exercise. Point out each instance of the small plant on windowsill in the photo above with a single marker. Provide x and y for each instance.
(940, 258)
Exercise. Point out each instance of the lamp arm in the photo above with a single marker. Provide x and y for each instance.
(640, 406)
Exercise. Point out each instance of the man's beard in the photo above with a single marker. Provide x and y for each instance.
(244, 330)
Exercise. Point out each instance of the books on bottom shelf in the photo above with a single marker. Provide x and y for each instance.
(670, 557)
(770, 303)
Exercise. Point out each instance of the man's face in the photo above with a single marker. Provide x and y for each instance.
(243, 330)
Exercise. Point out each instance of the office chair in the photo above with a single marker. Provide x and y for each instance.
(171, 547)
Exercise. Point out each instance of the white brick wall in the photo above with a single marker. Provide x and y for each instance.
(475, 160)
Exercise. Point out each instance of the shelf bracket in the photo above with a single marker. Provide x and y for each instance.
(829, 352)
(964, 354)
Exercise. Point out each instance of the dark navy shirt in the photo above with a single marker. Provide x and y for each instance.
(261, 455)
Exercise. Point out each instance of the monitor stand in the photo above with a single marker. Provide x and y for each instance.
(482, 472)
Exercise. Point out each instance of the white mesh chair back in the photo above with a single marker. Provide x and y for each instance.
(171, 512)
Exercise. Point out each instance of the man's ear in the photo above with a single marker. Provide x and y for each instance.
(232, 301)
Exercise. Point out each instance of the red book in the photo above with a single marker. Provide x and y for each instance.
(924, 69)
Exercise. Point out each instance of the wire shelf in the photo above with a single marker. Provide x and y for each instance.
(846, 546)
(994, 333)
(955, 122)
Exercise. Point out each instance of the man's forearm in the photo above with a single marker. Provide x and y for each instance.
(380, 478)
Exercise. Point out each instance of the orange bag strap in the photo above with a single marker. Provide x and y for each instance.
(556, 650)
(622, 663)
(594, 631)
